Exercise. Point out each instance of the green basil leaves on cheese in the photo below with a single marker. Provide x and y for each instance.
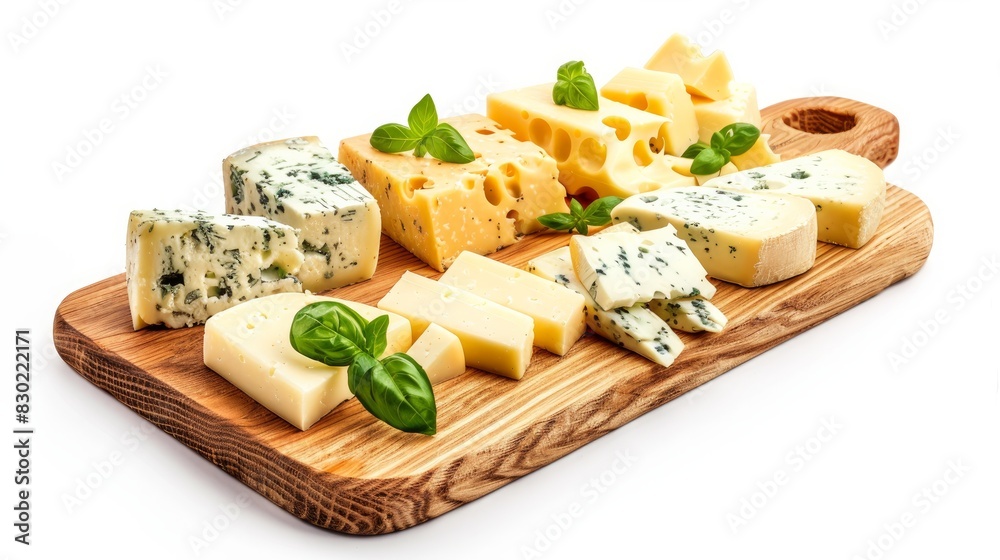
(598, 213)
(424, 135)
(575, 87)
(733, 140)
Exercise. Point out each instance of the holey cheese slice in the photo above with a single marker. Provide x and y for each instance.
(747, 238)
(705, 76)
(634, 328)
(848, 191)
(623, 267)
(436, 210)
(612, 151)
(494, 338)
(183, 267)
(556, 311)
(248, 345)
(660, 93)
(298, 182)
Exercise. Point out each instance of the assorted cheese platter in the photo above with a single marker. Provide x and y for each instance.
(422, 272)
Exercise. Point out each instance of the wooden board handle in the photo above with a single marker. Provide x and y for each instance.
(811, 124)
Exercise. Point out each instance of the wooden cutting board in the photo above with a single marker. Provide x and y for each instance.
(353, 474)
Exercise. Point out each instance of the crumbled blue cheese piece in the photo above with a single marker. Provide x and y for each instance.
(695, 314)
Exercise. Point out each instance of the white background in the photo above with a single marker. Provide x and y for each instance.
(201, 79)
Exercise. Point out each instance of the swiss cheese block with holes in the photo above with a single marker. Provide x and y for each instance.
(616, 150)
(660, 93)
(705, 76)
(436, 209)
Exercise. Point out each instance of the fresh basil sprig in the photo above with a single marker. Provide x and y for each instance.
(598, 213)
(575, 87)
(733, 140)
(424, 135)
(395, 390)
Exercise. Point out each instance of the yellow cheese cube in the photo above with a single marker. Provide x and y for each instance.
(436, 209)
(707, 76)
(713, 116)
(759, 155)
(660, 93)
(439, 352)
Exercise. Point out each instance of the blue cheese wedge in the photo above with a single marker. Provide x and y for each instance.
(298, 182)
(183, 267)
(623, 266)
(691, 315)
(847, 191)
(634, 328)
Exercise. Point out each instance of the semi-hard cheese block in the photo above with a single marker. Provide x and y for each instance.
(249, 346)
(747, 238)
(612, 151)
(494, 338)
(298, 182)
(183, 267)
(660, 93)
(634, 328)
(556, 311)
(622, 267)
(706, 76)
(759, 155)
(714, 115)
(436, 209)
(848, 191)
(440, 353)
(695, 314)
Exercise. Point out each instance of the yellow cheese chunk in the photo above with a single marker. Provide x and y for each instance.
(707, 76)
(660, 93)
(612, 151)
(557, 311)
(683, 166)
(494, 338)
(759, 155)
(436, 209)
(439, 352)
(713, 115)
(248, 345)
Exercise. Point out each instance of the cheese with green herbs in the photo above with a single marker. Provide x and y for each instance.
(298, 182)
(183, 267)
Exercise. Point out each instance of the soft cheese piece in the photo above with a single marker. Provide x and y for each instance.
(612, 151)
(848, 191)
(494, 338)
(556, 311)
(183, 267)
(747, 238)
(759, 155)
(439, 352)
(660, 93)
(706, 76)
(436, 210)
(695, 314)
(248, 345)
(624, 266)
(714, 115)
(298, 182)
(634, 328)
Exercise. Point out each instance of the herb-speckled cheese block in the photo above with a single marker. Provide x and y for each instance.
(624, 266)
(691, 315)
(848, 191)
(436, 209)
(634, 328)
(747, 238)
(298, 182)
(249, 346)
(183, 267)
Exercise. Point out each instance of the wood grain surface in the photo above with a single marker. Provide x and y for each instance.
(353, 474)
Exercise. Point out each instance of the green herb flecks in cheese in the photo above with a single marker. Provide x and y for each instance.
(634, 328)
(298, 182)
(183, 267)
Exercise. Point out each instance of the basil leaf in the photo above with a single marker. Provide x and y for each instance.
(558, 221)
(694, 149)
(581, 227)
(575, 208)
(575, 87)
(393, 138)
(328, 332)
(740, 137)
(361, 365)
(707, 162)
(423, 117)
(718, 141)
(446, 144)
(396, 391)
(420, 149)
(375, 335)
(599, 211)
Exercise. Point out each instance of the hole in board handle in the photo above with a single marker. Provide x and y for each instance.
(814, 120)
